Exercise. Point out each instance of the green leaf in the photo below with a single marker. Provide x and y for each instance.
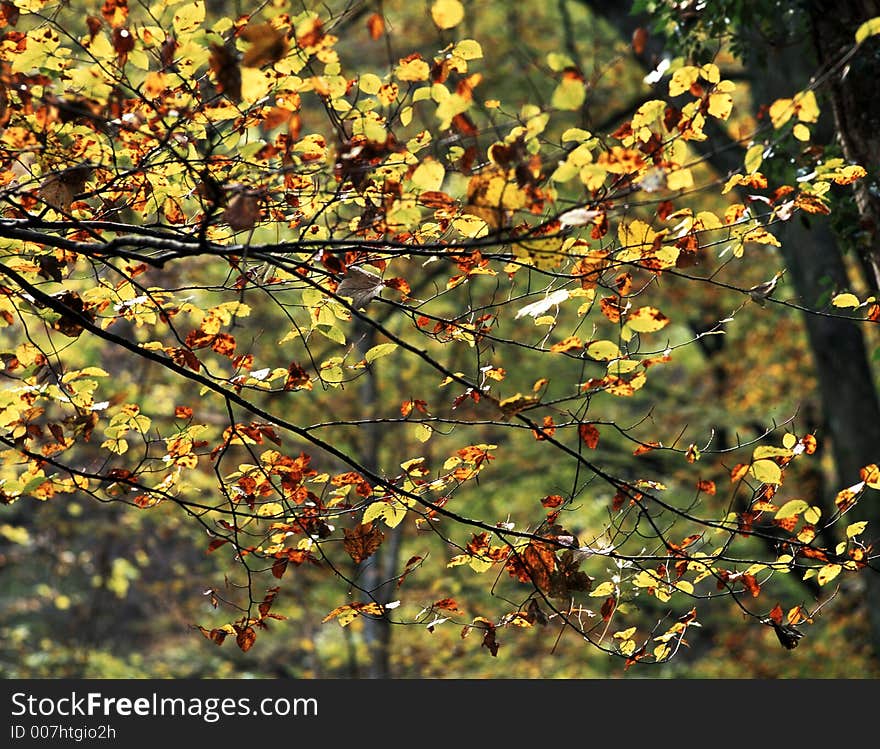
(791, 509)
(754, 157)
(382, 349)
(767, 472)
(768, 451)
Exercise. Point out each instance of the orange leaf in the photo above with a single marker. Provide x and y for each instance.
(706, 486)
(776, 614)
(751, 585)
(589, 434)
(645, 448)
(738, 471)
(376, 26)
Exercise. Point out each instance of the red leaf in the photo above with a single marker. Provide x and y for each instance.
(216, 544)
(553, 500)
(608, 608)
(706, 486)
(776, 614)
(589, 434)
(639, 39)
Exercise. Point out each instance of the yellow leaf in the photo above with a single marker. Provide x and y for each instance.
(754, 157)
(603, 350)
(370, 83)
(391, 512)
(647, 320)
(429, 175)
(569, 94)
(603, 590)
(828, 573)
(680, 179)
(720, 105)
(845, 300)
(768, 451)
(682, 79)
(806, 107)
(791, 509)
(855, 529)
(761, 236)
(189, 16)
(801, 132)
(270, 509)
(423, 432)
(412, 70)
(781, 111)
(789, 440)
(576, 134)
(624, 634)
(812, 515)
(447, 14)
(867, 29)
(468, 49)
(766, 471)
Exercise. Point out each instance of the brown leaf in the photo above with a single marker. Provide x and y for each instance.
(69, 323)
(362, 541)
(489, 640)
(534, 564)
(361, 286)
(268, 44)
(243, 211)
(751, 585)
(217, 636)
(245, 638)
(267, 602)
(553, 500)
(448, 604)
(297, 378)
(224, 65)
(59, 189)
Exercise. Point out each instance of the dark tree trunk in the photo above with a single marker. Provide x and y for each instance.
(375, 574)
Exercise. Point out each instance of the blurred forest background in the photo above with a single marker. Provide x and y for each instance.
(104, 591)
